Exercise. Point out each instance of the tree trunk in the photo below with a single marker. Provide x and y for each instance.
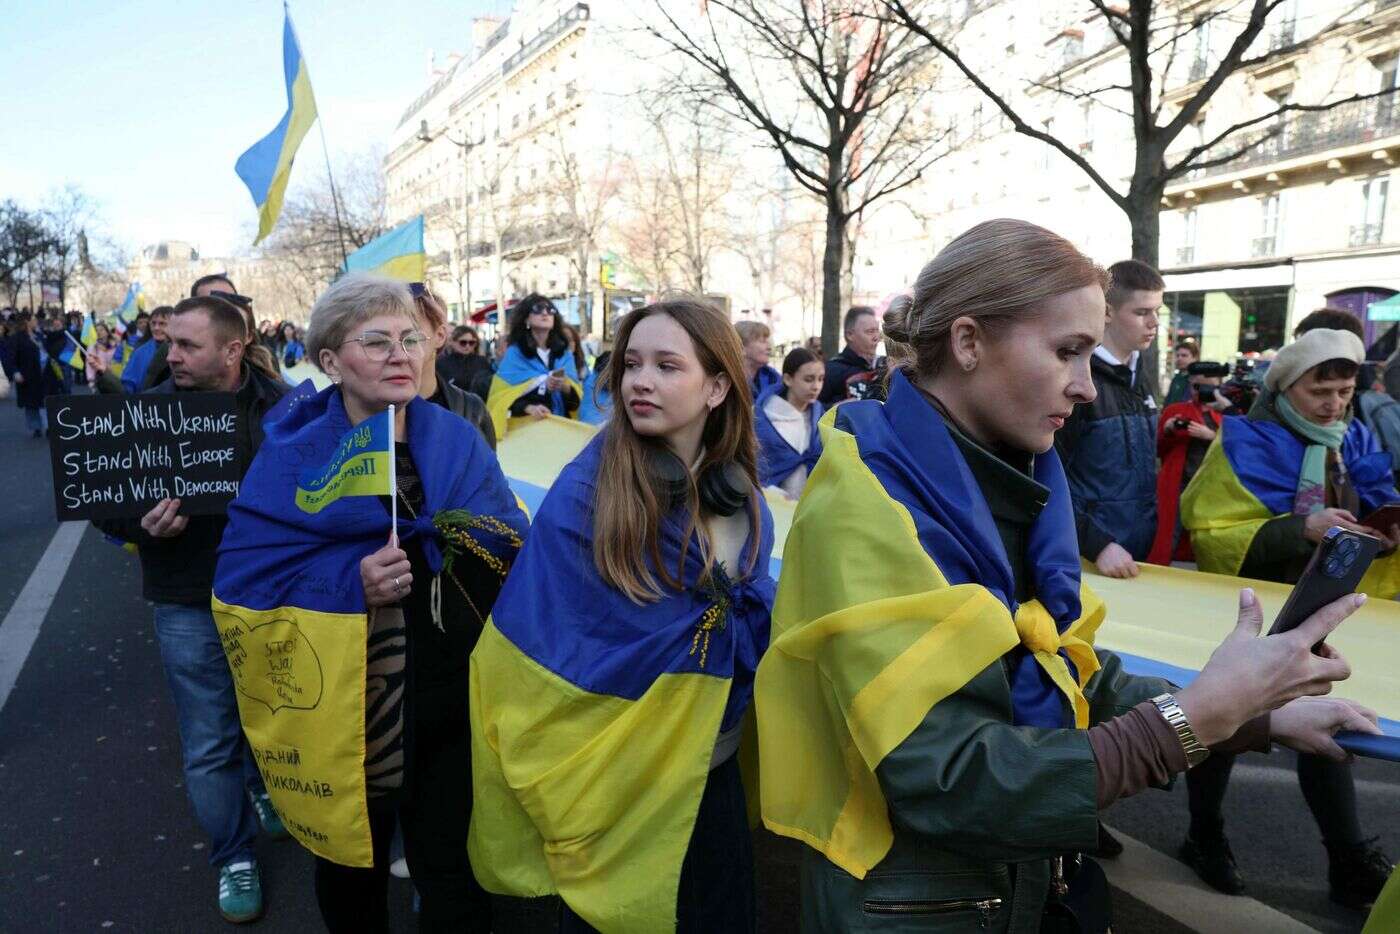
(833, 264)
(1144, 217)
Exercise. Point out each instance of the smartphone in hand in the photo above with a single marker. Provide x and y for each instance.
(1335, 570)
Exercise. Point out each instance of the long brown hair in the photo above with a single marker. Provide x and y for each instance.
(628, 509)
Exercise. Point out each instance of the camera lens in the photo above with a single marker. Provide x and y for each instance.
(1333, 568)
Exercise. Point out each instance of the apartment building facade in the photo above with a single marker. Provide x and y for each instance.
(1248, 246)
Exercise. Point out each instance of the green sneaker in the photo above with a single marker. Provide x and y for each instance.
(240, 892)
(267, 816)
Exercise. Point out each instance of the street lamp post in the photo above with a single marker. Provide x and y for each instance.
(466, 145)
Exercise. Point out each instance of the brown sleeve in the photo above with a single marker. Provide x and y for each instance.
(1133, 751)
(1252, 737)
(1139, 749)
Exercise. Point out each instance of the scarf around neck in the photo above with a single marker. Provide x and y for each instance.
(1311, 494)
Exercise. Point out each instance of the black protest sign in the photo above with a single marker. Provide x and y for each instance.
(117, 456)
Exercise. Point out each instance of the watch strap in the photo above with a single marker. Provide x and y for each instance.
(1171, 711)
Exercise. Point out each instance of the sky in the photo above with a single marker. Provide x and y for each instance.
(145, 105)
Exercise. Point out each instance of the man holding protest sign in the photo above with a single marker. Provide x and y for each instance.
(206, 354)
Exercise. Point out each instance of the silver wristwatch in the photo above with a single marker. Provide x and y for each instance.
(1176, 718)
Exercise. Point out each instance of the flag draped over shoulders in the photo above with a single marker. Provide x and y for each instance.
(520, 373)
(290, 608)
(1250, 475)
(777, 458)
(864, 648)
(594, 718)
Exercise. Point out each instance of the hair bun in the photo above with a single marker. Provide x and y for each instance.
(898, 313)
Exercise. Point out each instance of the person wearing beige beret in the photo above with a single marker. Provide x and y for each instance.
(1270, 487)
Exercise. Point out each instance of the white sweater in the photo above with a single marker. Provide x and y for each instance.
(792, 426)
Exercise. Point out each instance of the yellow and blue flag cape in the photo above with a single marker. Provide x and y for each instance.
(519, 373)
(266, 167)
(594, 718)
(290, 609)
(1250, 475)
(917, 600)
(776, 458)
(595, 406)
(397, 253)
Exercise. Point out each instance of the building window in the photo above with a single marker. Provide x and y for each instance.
(1200, 62)
(549, 101)
(1266, 244)
(570, 90)
(1046, 151)
(1386, 111)
(1371, 230)
(1186, 253)
(515, 122)
(1087, 116)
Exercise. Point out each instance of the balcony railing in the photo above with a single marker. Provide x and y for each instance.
(1365, 234)
(570, 18)
(1263, 246)
(1302, 134)
(1283, 35)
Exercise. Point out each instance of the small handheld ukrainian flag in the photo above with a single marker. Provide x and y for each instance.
(72, 353)
(397, 254)
(89, 336)
(362, 465)
(266, 167)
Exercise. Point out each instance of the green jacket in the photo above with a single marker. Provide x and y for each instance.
(978, 806)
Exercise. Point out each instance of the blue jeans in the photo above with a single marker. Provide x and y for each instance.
(219, 770)
(36, 419)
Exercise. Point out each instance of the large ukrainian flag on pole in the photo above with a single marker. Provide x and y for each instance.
(397, 254)
(266, 167)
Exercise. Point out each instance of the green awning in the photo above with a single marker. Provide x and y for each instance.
(1385, 310)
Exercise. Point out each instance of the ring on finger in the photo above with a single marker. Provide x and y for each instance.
(398, 588)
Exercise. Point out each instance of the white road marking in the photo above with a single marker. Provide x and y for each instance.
(1169, 886)
(21, 625)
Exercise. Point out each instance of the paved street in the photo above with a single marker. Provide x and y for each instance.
(96, 833)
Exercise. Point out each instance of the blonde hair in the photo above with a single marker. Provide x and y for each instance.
(351, 300)
(996, 273)
(751, 330)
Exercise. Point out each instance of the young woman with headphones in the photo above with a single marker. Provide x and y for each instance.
(611, 688)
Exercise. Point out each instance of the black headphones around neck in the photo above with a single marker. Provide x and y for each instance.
(723, 488)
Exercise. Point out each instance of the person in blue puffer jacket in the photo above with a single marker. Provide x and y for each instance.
(1109, 447)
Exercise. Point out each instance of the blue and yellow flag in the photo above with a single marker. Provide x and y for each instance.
(266, 167)
(72, 354)
(918, 600)
(397, 254)
(520, 373)
(1250, 475)
(594, 719)
(362, 465)
(130, 307)
(291, 612)
(89, 336)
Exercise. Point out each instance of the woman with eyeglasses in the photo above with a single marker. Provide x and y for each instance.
(463, 364)
(422, 593)
(538, 376)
